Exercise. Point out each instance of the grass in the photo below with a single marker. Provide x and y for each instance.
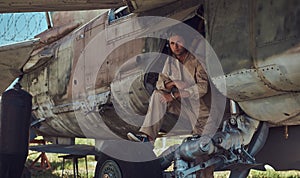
(274, 174)
(56, 165)
(263, 174)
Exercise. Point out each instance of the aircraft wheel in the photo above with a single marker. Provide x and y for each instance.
(110, 169)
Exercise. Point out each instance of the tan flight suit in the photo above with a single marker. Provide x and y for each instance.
(193, 108)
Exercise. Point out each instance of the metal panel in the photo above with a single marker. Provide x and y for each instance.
(282, 71)
(244, 85)
(144, 5)
(277, 25)
(64, 67)
(122, 28)
(228, 32)
(261, 30)
(275, 78)
(276, 109)
(61, 18)
(53, 78)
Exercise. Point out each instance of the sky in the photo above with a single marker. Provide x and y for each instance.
(16, 27)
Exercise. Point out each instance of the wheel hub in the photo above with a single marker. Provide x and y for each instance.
(110, 169)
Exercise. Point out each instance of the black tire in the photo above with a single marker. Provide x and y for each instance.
(122, 169)
(109, 167)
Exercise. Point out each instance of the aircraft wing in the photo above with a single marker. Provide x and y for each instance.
(12, 59)
(10, 6)
(65, 149)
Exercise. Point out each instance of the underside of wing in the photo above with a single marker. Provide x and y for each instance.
(56, 5)
(12, 59)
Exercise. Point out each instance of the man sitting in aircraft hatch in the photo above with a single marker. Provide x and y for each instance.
(181, 88)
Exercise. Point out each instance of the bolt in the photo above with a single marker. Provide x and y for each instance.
(239, 151)
(219, 140)
(232, 121)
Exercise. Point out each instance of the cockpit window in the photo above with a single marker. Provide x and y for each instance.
(115, 14)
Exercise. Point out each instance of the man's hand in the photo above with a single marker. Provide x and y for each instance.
(165, 98)
(180, 85)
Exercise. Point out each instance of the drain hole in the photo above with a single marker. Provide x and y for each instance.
(286, 114)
